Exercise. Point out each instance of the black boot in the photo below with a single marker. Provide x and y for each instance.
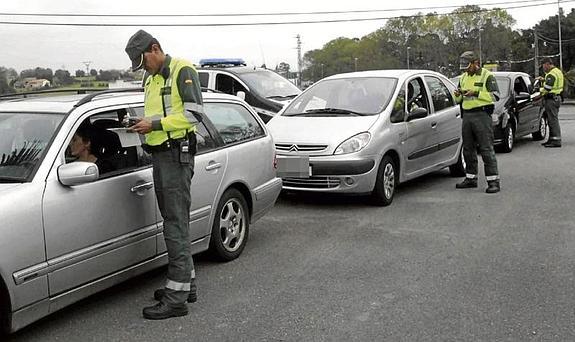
(467, 183)
(163, 311)
(552, 143)
(192, 297)
(492, 186)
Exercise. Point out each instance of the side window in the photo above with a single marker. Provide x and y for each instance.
(233, 122)
(440, 95)
(205, 141)
(416, 96)
(101, 139)
(228, 84)
(398, 111)
(519, 86)
(204, 79)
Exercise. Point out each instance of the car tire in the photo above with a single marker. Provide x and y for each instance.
(541, 132)
(508, 139)
(230, 229)
(386, 182)
(458, 169)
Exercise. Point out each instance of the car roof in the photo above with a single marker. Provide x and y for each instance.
(394, 73)
(66, 103)
(235, 69)
(509, 73)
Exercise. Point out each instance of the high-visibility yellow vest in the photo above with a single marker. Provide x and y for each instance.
(176, 121)
(477, 83)
(557, 87)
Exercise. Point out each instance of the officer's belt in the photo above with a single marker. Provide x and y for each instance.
(487, 109)
(165, 146)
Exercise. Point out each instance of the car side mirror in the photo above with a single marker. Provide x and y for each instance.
(241, 95)
(416, 113)
(522, 96)
(76, 173)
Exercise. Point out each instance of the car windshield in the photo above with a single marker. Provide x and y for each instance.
(503, 85)
(23, 139)
(344, 96)
(269, 84)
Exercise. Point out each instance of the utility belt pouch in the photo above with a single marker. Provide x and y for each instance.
(184, 151)
(193, 143)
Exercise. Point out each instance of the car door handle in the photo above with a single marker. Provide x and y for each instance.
(143, 186)
(433, 124)
(457, 115)
(213, 166)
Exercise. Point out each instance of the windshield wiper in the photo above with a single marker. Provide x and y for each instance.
(9, 179)
(327, 111)
(281, 97)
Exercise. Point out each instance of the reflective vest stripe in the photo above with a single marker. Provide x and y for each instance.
(177, 286)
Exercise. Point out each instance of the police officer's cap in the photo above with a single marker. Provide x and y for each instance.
(469, 56)
(136, 47)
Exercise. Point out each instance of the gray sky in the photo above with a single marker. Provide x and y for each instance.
(29, 46)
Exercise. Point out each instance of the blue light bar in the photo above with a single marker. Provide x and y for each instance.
(222, 62)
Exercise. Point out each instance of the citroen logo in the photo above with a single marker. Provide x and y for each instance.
(293, 148)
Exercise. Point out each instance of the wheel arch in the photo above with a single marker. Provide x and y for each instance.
(245, 191)
(5, 307)
(394, 155)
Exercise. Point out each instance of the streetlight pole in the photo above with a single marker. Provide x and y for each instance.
(355, 63)
(559, 28)
(321, 70)
(408, 48)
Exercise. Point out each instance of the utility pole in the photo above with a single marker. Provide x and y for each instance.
(408, 48)
(87, 64)
(536, 47)
(299, 61)
(480, 52)
(559, 27)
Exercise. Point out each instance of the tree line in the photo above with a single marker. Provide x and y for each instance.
(435, 41)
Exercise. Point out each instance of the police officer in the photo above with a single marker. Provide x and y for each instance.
(476, 93)
(172, 96)
(551, 91)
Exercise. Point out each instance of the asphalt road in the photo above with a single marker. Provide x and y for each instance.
(439, 264)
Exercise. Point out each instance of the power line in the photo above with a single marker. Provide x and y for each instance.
(266, 14)
(268, 23)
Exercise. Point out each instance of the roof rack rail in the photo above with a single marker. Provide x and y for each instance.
(26, 94)
(90, 97)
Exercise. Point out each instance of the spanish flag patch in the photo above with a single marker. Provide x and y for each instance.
(189, 81)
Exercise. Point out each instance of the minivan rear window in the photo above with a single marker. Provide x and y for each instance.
(365, 95)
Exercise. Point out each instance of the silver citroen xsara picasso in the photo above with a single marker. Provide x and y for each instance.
(365, 132)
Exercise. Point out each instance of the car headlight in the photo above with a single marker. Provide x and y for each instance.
(353, 144)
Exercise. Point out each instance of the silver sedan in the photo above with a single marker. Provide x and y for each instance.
(71, 228)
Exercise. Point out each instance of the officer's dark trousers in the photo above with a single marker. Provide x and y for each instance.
(478, 132)
(552, 105)
(172, 185)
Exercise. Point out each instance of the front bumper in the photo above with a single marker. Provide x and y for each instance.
(335, 174)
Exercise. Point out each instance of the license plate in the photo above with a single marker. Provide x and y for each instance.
(294, 166)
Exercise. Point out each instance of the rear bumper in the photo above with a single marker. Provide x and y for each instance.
(265, 197)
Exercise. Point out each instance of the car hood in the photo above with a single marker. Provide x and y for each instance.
(330, 131)
(5, 187)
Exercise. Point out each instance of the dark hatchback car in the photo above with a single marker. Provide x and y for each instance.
(519, 109)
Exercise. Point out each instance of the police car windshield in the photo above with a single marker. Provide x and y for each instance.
(365, 95)
(23, 139)
(269, 84)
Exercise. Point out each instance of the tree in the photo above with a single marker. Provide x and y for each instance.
(62, 77)
(283, 69)
(93, 72)
(5, 87)
(39, 73)
(80, 73)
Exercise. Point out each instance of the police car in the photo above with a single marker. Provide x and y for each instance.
(265, 90)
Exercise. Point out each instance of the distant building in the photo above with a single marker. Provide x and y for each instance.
(30, 83)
